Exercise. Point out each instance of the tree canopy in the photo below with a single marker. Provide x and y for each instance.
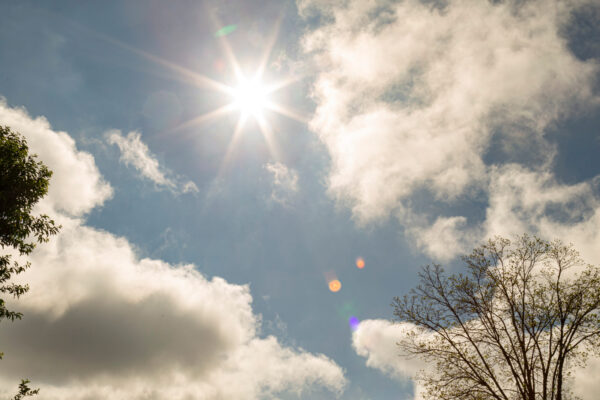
(23, 182)
(513, 326)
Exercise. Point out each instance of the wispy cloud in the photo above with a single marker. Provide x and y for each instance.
(136, 153)
(284, 182)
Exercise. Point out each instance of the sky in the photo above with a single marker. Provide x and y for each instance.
(203, 223)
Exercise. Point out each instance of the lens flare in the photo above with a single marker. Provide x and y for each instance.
(335, 285)
(226, 30)
(360, 263)
(353, 322)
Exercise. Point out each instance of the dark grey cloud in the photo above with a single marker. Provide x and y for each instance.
(111, 335)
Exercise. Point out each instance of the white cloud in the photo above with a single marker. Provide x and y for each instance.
(445, 238)
(410, 95)
(284, 184)
(101, 323)
(521, 200)
(136, 153)
(76, 185)
(98, 318)
(585, 384)
(377, 341)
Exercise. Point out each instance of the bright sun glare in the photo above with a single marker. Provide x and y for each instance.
(250, 97)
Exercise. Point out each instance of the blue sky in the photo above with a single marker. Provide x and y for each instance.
(421, 129)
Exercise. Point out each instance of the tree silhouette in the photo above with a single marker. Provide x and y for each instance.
(512, 327)
(23, 182)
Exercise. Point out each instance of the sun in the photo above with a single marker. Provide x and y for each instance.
(250, 97)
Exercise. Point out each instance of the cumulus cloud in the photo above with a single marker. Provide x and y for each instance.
(136, 153)
(585, 383)
(445, 238)
(521, 200)
(527, 201)
(98, 318)
(284, 182)
(76, 185)
(449, 103)
(102, 323)
(377, 341)
(410, 96)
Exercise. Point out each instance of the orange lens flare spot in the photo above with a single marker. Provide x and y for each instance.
(360, 263)
(335, 285)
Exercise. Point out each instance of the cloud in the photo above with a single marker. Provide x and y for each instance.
(284, 184)
(136, 153)
(448, 104)
(445, 238)
(97, 319)
(585, 383)
(99, 322)
(377, 341)
(522, 200)
(76, 185)
(410, 96)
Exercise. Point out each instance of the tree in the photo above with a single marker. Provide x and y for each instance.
(512, 326)
(23, 182)
(25, 390)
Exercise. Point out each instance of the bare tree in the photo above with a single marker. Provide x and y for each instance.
(512, 326)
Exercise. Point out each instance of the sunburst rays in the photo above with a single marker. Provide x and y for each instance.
(250, 95)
